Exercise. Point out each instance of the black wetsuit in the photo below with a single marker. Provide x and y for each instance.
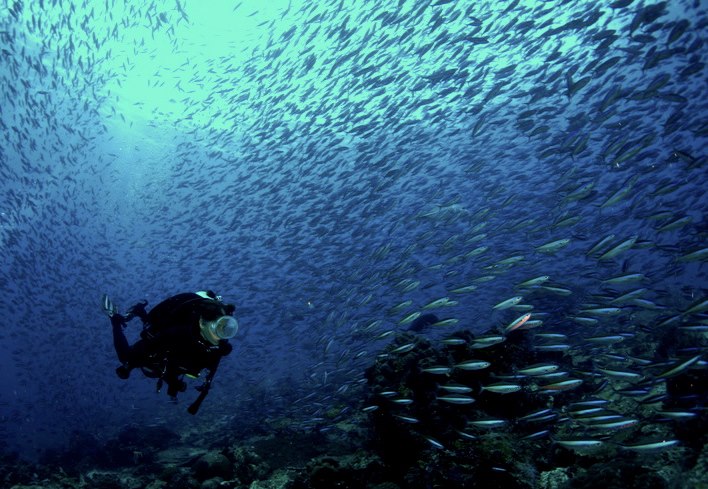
(172, 344)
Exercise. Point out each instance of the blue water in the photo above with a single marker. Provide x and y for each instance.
(310, 162)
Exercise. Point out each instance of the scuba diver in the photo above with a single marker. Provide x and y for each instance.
(182, 335)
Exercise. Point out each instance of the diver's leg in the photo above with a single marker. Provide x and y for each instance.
(131, 357)
(174, 384)
(123, 348)
(120, 342)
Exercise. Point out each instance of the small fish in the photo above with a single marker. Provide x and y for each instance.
(509, 376)
(443, 302)
(605, 340)
(601, 418)
(622, 192)
(695, 328)
(640, 360)
(646, 304)
(473, 365)
(586, 411)
(654, 399)
(697, 255)
(508, 303)
(535, 414)
(410, 318)
(551, 336)
(619, 248)
(580, 444)
(614, 357)
(566, 220)
(589, 402)
(533, 282)
(679, 368)
(602, 311)
(537, 434)
(633, 391)
(678, 30)
(402, 400)
(453, 341)
(677, 414)
(440, 370)
(477, 251)
(563, 385)
(400, 307)
(621, 374)
(404, 348)
(456, 388)
(628, 296)
(385, 334)
(486, 341)
(625, 279)
(489, 339)
(407, 419)
(650, 446)
(369, 409)
(556, 290)
(616, 425)
(411, 286)
(435, 443)
(452, 399)
(584, 320)
(502, 388)
(697, 307)
(517, 323)
(668, 320)
(511, 260)
(372, 326)
(580, 192)
(464, 290)
(538, 369)
(600, 245)
(485, 278)
(445, 322)
(487, 423)
(553, 246)
(533, 323)
(402, 284)
(466, 435)
(554, 347)
(675, 224)
(553, 376)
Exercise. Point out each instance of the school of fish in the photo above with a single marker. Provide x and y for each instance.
(531, 168)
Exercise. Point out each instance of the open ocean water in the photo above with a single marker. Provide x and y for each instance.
(466, 241)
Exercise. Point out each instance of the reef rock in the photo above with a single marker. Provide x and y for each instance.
(213, 464)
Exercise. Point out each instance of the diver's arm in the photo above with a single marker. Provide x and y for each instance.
(169, 337)
(214, 364)
(224, 348)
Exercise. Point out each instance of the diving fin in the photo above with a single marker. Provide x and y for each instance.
(107, 305)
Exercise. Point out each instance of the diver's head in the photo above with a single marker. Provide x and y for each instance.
(221, 328)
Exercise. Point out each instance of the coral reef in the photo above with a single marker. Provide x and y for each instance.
(405, 436)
